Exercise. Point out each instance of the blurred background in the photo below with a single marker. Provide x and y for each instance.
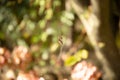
(59, 40)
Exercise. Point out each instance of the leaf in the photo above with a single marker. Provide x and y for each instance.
(69, 15)
(84, 54)
(42, 23)
(49, 14)
(44, 36)
(54, 47)
(35, 39)
(77, 57)
(70, 61)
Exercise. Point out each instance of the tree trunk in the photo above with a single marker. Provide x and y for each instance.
(99, 31)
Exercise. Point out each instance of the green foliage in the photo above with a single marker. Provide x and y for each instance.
(38, 23)
(31, 22)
